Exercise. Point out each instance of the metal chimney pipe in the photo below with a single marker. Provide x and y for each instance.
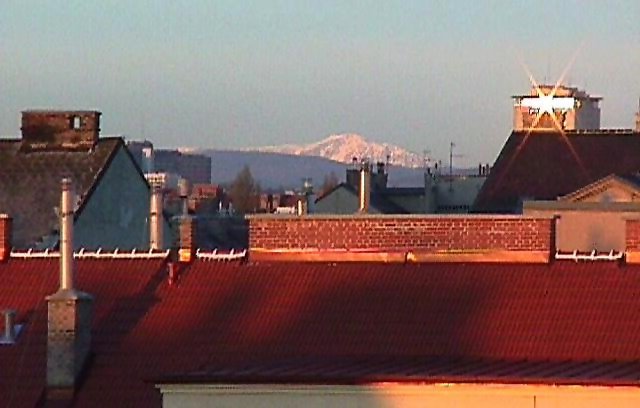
(155, 218)
(9, 325)
(66, 235)
(365, 187)
(183, 192)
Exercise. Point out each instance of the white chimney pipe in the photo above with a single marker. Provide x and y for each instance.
(9, 326)
(155, 218)
(365, 187)
(66, 235)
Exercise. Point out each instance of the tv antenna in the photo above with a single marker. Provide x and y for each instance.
(451, 156)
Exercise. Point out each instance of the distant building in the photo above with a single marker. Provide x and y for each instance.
(142, 153)
(556, 148)
(572, 109)
(439, 194)
(594, 216)
(113, 196)
(194, 167)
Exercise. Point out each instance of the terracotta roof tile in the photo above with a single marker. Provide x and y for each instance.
(228, 314)
(413, 370)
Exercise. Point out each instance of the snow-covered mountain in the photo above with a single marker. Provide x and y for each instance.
(344, 147)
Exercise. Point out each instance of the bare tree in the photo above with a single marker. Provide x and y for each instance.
(245, 192)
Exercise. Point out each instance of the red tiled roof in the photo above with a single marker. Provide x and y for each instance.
(224, 314)
(546, 165)
(123, 291)
(414, 370)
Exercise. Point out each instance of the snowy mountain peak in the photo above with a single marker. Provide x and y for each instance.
(344, 147)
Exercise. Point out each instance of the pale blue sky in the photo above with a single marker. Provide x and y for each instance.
(226, 74)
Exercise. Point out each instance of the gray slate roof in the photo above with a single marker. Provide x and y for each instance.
(30, 185)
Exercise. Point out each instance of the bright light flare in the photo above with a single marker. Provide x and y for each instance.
(545, 104)
(549, 103)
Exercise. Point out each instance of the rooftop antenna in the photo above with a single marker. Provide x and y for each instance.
(548, 73)
(425, 158)
(451, 146)
(451, 156)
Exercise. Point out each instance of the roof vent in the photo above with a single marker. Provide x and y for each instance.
(11, 330)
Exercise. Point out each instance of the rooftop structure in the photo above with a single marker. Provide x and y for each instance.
(439, 193)
(113, 195)
(544, 165)
(556, 108)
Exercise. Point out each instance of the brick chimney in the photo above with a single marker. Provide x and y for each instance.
(59, 130)
(156, 241)
(186, 225)
(186, 238)
(70, 314)
(5, 237)
(364, 191)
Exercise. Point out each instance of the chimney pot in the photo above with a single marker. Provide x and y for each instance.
(9, 326)
(183, 192)
(69, 313)
(66, 235)
(364, 193)
(302, 206)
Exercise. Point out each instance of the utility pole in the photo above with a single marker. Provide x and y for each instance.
(451, 146)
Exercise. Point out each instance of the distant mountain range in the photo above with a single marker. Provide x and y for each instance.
(344, 147)
(286, 166)
(277, 170)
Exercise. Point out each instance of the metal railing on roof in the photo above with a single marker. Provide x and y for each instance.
(590, 256)
(221, 256)
(97, 254)
(133, 254)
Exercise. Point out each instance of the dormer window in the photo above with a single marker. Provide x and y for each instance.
(76, 122)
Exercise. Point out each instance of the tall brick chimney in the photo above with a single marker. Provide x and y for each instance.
(5, 237)
(59, 130)
(186, 236)
(70, 314)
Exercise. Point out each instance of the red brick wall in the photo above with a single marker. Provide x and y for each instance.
(5, 237)
(435, 233)
(632, 239)
(42, 130)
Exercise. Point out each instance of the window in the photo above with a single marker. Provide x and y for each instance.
(76, 122)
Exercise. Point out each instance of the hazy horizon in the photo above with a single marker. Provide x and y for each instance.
(231, 74)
